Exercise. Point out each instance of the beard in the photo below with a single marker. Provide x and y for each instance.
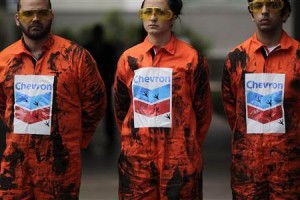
(36, 31)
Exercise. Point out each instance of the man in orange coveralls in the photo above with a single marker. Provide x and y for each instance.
(163, 110)
(261, 94)
(52, 98)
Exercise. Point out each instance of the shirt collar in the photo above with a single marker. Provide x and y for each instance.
(21, 46)
(285, 42)
(169, 47)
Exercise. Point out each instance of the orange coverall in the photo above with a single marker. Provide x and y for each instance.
(41, 163)
(261, 96)
(163, 111)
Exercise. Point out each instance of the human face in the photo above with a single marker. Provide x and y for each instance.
(161, 19)
(34, 19)
(267, 15)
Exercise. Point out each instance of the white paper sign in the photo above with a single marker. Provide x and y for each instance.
(152, 97)
(33, 104)
(264, 103)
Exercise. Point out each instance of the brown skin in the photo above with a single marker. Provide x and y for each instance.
(36, 31)
(269, 25)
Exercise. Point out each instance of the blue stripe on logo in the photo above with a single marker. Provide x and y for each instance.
(151, 96)
(264, 101)
(35, 102)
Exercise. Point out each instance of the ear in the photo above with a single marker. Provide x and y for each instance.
(285, 17)
(17, 19)
(173, 20)
(52, 14)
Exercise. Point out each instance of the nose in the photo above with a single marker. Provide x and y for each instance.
(35, 17)
(153, 16)
(264, 9)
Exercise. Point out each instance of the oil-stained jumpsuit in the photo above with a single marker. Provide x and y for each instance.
(163, 111)
(51, 107)
(261, 95)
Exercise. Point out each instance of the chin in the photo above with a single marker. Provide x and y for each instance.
(153, 32)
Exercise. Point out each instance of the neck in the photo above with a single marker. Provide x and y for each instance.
(159, 40)
(35, 46)
(270, 39)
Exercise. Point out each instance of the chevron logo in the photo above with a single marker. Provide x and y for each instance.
(151, 96)
(266, 116)
(152, 91)
(33, 104)
(152, 110)
(32, 109)
(32, 117)
(264, 108)
(264, 99)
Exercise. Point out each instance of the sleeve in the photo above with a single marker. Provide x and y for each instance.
(2, 94)
(202, 102)
(122, 97)
(2, 103)
(229, 99)
(93, 96)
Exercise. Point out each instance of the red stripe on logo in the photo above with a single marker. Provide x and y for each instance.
(265, 116)
(152, 110)
(31, 117)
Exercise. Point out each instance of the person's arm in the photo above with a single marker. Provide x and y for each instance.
(202, 102)
(121, 95)
(229, 99)
(93, 96)
(2, 95)
(2, 103)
